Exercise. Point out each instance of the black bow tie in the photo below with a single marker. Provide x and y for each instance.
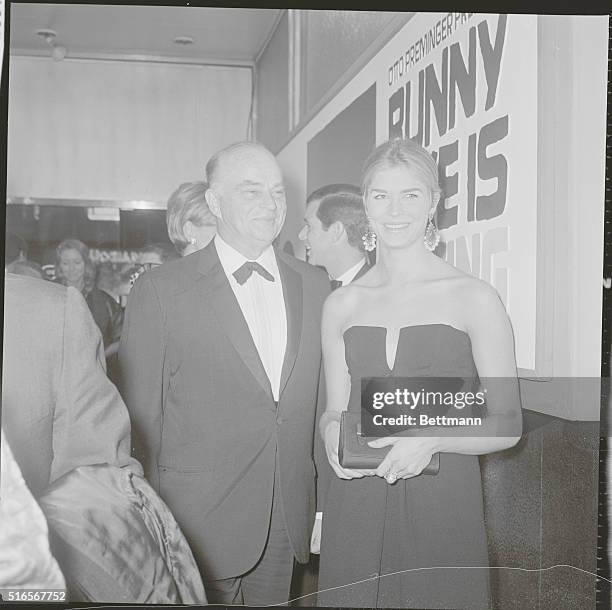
(335, 284)
(244, 273)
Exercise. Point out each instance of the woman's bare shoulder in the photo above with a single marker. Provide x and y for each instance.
(342, 298)
(342, 303)
(477, 292)
(478, 303)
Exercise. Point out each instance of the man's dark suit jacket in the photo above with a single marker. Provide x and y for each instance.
(205, 425)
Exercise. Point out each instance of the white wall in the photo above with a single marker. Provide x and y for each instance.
(90, 129)
(586, 184)
(571, 177)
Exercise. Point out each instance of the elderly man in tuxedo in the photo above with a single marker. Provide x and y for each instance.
(220, 358)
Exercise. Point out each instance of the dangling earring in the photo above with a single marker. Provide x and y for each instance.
(432, 235)
(369, 239)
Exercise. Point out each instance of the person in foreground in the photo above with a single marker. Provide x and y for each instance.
(221, 357)
(411, 315)
(25, 557)
(69, 430)
(59, 410)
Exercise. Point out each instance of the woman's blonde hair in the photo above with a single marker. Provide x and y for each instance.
(402, 152)
(187, 203)
(89, 277)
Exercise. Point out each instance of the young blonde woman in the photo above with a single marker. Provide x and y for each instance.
(392, 538)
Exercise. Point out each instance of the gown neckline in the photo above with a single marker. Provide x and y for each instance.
(399, 335)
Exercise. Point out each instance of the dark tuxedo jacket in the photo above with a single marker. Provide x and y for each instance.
(205, 425)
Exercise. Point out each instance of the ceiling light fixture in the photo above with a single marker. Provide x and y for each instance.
(47, 35)
(58, 52)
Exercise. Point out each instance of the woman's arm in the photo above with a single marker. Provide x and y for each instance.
(490, 332)
(492, 340)
(337, 379)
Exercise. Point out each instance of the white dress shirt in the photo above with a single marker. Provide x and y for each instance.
(263, 307)
(349, 275)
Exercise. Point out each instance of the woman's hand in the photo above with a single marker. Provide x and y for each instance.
(331, 436)
(337, 378)
(407, 457)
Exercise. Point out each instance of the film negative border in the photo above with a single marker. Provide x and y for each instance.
(604, 588)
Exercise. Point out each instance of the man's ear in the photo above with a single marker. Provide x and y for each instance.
(337, 230)
(212, 199)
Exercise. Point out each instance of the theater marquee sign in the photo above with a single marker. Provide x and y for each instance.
(464, 85)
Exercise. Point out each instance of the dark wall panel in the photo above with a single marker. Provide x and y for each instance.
(337, 152)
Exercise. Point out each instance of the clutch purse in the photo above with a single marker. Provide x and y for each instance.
(354, 451)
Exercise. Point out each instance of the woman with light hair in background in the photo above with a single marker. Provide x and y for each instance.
(191, 225)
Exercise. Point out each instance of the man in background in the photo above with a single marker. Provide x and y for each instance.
(334, 225)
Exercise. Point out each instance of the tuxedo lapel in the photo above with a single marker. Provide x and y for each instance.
(222, 299)
(292, 293)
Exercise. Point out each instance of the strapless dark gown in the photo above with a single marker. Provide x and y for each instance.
(370, 527)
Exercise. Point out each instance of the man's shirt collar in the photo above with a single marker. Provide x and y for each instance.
(349, 275)
(231, 259)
